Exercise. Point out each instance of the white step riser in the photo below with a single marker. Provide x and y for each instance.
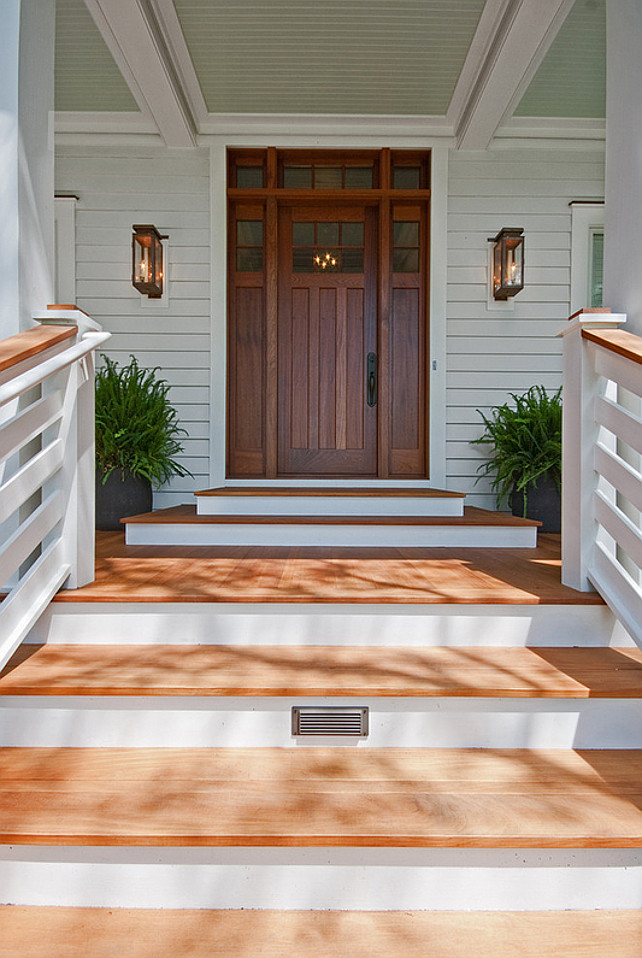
(199, 722)
(322, 878)
(193, 623)
(344, 536)
(332, 506)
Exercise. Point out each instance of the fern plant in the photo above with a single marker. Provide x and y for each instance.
(526, 441)
(136, 427)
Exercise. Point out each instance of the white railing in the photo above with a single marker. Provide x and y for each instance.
(46, 472)
(602, 464)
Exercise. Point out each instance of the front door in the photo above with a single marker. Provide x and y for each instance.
(328, 318)
(327, 341)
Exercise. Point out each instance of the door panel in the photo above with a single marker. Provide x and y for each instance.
(326, 327)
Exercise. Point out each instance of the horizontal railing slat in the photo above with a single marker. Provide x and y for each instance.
(25, 604)
(620, 527)
(622, 476)
(618, 590)
(30, 534)
(30, 477)
(619, 370)
(30, 423)
(621, 422)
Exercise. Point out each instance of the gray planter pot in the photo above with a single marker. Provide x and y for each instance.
(543, 503)
(121, 496)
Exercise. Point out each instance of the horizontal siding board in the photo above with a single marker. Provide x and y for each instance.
(123, 219)
(88, 236)
(174, 365)
(102, 254)
(548, 241)
(131, 203)
(118, 289)
(536, 258)
(534, 275)
(121, 271)
(196, 344)
(514, 380)
(471, 293)
(137, 185)
(492, 345)
(135, 313)
(549, 188)
(524, 363)
(491, 222)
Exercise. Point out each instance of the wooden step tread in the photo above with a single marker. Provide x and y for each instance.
(323, 670)
(329, 575)
(472, 517)
(332, 492)
(339, 797)
(32, 932)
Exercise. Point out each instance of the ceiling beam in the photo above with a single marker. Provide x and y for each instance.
(135, 40)
(511, 41)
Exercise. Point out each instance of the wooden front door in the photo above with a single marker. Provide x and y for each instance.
(327, 341)
(328, 317)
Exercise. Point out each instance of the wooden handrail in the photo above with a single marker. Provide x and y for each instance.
(617, 341)
(16, 349)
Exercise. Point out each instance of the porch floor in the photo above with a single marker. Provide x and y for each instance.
(330, 575)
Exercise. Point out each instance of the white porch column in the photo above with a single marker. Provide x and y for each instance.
(26, 160)
(623, 235)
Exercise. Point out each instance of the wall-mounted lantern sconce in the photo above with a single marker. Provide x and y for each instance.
(508, 262)
(147, 261)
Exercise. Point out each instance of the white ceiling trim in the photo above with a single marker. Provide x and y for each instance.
(514, 36)
(325, 125)
(172, 32)
(489, 22)
(135, 40)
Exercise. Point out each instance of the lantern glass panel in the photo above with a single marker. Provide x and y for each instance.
(497, 267)
(514, 271)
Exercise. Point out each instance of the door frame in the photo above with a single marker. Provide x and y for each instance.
(252, 136)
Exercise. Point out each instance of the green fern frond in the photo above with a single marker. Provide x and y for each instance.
(525, 440)
(137, 428)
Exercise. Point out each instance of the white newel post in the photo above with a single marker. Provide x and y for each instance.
(579, 433)
(78, 475)
(76, 479)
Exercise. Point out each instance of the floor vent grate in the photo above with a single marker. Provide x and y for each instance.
(330, 720)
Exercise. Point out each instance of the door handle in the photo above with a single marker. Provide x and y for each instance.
(371, 379)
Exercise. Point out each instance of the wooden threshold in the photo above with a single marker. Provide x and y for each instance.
(471, 517)
(209, 670)
(32, 932)
(459, 576)
(321, 797)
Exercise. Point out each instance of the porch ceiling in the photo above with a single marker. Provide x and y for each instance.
(183, 67)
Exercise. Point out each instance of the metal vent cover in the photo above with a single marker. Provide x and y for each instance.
(330, 720)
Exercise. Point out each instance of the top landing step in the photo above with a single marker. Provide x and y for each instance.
(327, 501)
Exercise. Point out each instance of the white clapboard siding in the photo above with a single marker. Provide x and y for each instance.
(125, 184)
(491, 353)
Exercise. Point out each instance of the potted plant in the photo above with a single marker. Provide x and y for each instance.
(526, 457)
(136, 440)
